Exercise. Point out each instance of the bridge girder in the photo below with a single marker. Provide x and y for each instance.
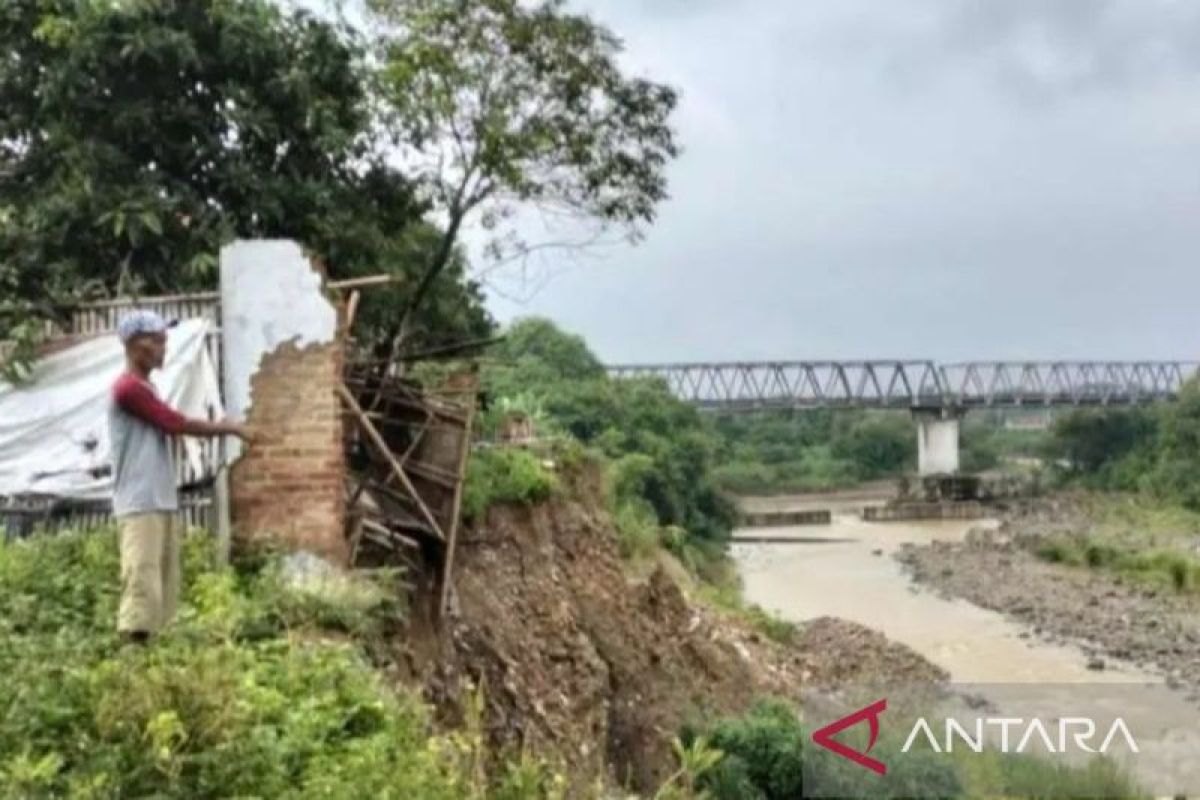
(916, 385)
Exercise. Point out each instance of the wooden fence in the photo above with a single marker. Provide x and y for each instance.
(101, 317)
(22, 516)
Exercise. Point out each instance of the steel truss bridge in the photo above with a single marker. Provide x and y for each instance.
(917, 385)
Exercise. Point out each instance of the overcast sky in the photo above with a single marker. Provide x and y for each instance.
(942, 179)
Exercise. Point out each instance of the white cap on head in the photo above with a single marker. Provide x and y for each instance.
(141, 321)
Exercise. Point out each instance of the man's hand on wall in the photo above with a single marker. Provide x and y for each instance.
(249, 435)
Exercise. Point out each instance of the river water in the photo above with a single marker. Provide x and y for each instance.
(859, 580)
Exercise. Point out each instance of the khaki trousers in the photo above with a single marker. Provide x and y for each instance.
(150, 571)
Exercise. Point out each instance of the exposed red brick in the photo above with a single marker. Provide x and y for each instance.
(290, 488)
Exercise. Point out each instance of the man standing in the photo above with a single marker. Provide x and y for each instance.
(145, 498)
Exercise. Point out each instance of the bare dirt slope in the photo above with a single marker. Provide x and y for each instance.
(582, 665)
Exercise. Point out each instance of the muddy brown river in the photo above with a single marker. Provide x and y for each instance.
(859, 580)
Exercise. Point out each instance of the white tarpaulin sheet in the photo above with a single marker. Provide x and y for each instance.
(54, 428)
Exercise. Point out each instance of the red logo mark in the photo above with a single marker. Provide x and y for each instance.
(824, 737)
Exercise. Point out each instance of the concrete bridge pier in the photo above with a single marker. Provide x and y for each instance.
(937, 440)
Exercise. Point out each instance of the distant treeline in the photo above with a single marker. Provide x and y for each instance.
(1153, 450)
(801, 451)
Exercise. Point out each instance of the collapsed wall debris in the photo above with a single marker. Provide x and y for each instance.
(358, 463)
(407, 451)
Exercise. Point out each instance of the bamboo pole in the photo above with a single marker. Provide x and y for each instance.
(361, 283)
(452, 539)
(352, 310)
(398, 471)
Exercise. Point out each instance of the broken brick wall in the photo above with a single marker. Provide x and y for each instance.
(282, 367)
(289, 487)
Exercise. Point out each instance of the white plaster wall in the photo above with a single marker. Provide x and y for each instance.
(937, 446)
(270, 295)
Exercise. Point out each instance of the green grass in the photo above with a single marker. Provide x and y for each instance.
(771, 626)
(724, 594)
(995, 774)
(1135, 537)
(1157, 568)
(1142, 518)
(639, 536)
(505, 476)
(258, 690)
(816, 470)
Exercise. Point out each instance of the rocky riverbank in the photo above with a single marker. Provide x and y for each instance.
(1110, 616)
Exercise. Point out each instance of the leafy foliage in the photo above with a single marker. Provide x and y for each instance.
(696, 759)
(670, 471)
(1177, 473)
(536, 350)
(986, 442)
(1090, 441)
(640, 534)
(811, 450)
(452, 312)
(151, 133)
(1155, 451)
(497, 476)
(501, 104)
(877, 444)
(138, 138)
(248, 696)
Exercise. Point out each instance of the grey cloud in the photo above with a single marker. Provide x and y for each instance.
(1063, 46)
(661, 8)
(1038, 50)
(870, 178)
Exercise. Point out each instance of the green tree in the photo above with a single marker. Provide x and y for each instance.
(452, 312)
(620, 418)
(877, 444)
(1178, 470)
(501, 105)
(139, 137)
(535, 343)
(1091, 439)
(810, 450)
